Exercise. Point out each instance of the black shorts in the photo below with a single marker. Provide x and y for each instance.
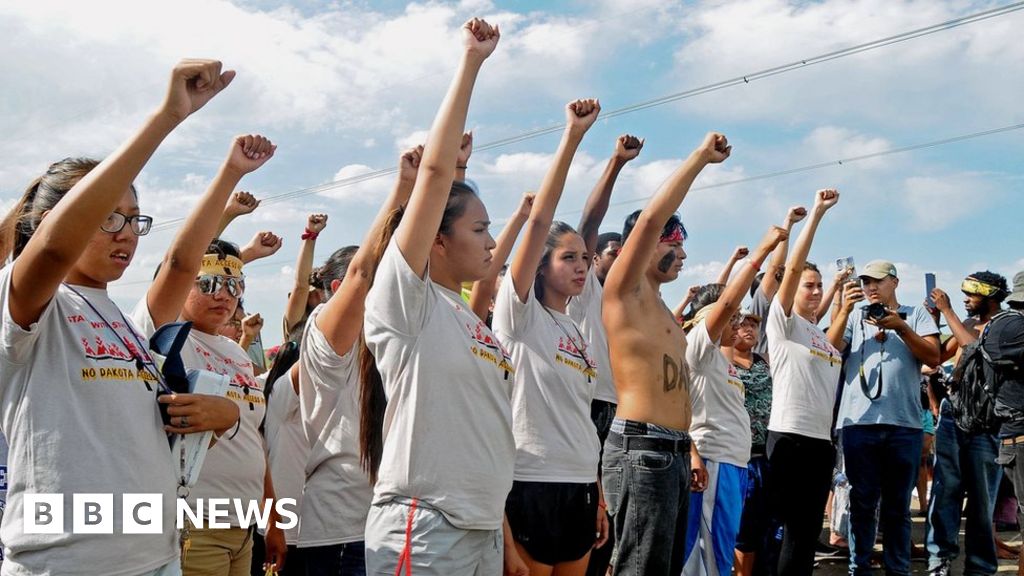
(554, 521)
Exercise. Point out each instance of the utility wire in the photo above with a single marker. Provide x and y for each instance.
(708, 88)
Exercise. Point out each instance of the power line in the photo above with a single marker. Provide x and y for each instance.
(247, 267)
(708, 88)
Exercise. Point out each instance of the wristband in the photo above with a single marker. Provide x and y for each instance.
(309, 234)
(755, 264)
(602, 505)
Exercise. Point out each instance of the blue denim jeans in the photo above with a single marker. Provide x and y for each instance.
(648, 495)
(336, 560)
(965, 465)
(881, 463)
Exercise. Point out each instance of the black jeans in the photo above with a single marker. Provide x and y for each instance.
(801, 475)
(602, 413)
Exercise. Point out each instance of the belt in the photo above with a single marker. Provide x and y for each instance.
(1013, 440)
(629, 442)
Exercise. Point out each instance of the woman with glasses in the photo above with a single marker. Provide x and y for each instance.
(201, 282)
(720, 427)
(79, 390)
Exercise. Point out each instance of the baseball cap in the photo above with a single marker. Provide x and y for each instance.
(879, 269)
(1017, 296)
(748, 313)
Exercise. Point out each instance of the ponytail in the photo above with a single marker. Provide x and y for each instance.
(372, 400)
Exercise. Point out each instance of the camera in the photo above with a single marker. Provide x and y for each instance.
(876, 311)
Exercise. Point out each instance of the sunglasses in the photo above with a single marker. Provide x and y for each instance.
(210, 284)
(116, 222)
(972, 286)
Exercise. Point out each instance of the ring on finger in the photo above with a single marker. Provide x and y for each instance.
(184, 421)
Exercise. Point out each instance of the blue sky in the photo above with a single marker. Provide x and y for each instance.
(341, 87)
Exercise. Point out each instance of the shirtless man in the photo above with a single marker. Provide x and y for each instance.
(648, 455)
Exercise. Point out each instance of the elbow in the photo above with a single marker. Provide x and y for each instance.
(177, 265)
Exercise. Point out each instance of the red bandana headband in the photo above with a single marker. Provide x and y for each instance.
(676, 235)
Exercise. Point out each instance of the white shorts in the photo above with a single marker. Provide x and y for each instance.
(405, 537)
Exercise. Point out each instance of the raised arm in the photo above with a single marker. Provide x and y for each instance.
(770, 282)
(738, 254)
(296, 307)
(262, 245)
(962, 335)
(341, 319)
(627, 147)
(64, 233)
(729, 302)
(580, 116)
(462, 159)
(170, 288)
(483, 290)
(630, 266)
(240, 204)
(852, 293)
(838, 280)
(823, 200)
(416, 233)
(680, 308)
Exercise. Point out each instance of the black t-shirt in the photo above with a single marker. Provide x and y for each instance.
(1005, 344)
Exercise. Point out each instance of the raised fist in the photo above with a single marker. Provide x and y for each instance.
(581, 114)
(715, 148)
(628, 147)
(249, 152)
(263, 244)
(465, 150)
(796, 214)
(251, 325)
(193, 83)
(741, 252)
(526, 205)
(480, 38)
(316, 223)
(774, 235)
(409, 163)
(241, 203)
(825, 199)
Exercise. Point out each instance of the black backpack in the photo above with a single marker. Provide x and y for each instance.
(984, 366)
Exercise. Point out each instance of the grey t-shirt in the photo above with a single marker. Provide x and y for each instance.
(80, 417)
(761, 305)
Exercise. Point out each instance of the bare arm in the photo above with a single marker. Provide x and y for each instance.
(483, 290)
(64, 233)
(823, 200)
(739, 254)
(770, 283)
(580, 116)
(627, 147)
(852, 293)
(680, 308)
(166, 296)
(416, 233)
(296, 307)
(830, 295)
(625, 276)
(262, 245)
(729, 302)
(341, 319)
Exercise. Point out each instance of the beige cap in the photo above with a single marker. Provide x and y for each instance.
(879, 269)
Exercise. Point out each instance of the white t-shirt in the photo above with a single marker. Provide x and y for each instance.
(338, 492)
(448, 424)
(805, 373)
(554, 383)
(585, 310)
(234, 467)
(721, 426)
(287, 449)
(79, 418)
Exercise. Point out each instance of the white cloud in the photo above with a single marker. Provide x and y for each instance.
(935, 203)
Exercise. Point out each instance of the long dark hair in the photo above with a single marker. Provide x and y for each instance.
(555, 233)
(41, 195)
(372, 400)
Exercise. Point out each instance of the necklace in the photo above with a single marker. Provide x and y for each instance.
(583, 350)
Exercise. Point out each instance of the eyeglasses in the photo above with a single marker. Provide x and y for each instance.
(116, 222)
(210, 284)
(972, 286)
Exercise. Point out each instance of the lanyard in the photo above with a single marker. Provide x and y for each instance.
(863, 379)
(582, 351)
(140, 363)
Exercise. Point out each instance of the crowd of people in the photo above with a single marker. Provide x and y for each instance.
(447, 403)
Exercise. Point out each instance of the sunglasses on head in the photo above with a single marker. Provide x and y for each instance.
(972, 286)
(210, 284)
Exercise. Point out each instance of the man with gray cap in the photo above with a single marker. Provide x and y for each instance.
(880, 412)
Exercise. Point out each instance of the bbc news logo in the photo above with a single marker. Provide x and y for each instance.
(144, 513)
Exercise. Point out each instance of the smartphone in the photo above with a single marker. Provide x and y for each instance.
(929, 285)
(256, 354)
(847, 264)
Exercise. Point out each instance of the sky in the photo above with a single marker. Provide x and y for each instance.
(343, 87)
